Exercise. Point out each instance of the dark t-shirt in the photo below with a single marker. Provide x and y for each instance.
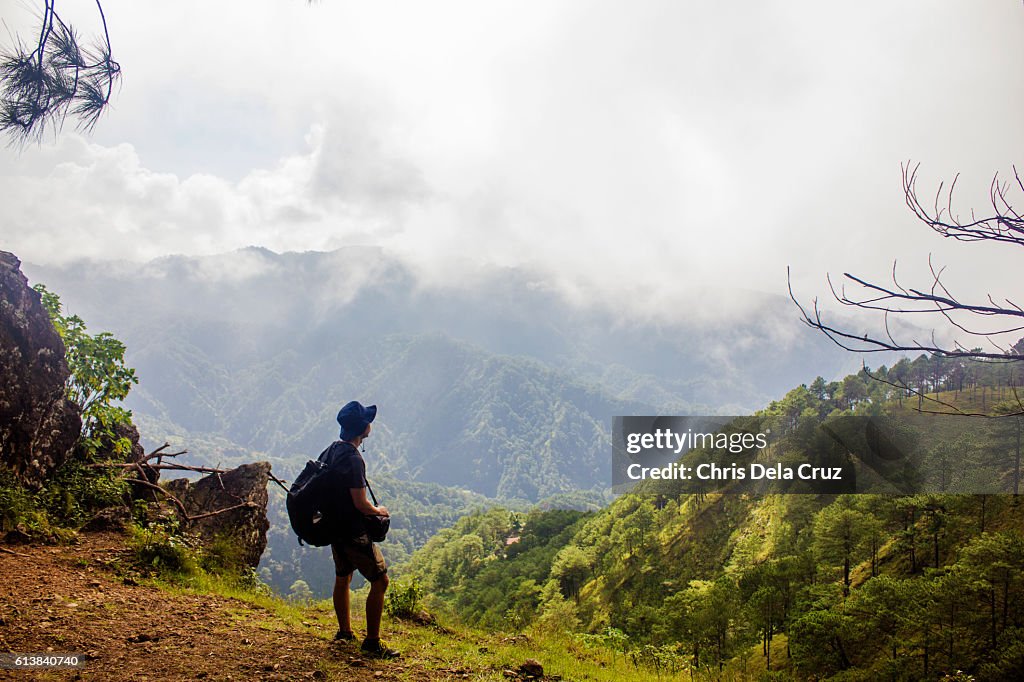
(348, 470)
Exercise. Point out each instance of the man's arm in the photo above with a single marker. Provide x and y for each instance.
(363, 505)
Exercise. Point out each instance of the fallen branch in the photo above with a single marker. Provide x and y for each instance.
(162, 467)
(181, 506)
(143, 475)
(178, 503)
(11, 551)
(243, 505)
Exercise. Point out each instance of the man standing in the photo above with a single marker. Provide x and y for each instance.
(354, 551)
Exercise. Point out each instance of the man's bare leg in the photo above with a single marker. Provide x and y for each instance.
(342, 601)
(375, 607)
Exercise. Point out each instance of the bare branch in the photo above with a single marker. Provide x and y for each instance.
(160, 467)
(243, 505)
(1004, 225)
(11, 551)
(865, 343)
(989, 319)
(181, 507)
(178, 503)
(278, 481)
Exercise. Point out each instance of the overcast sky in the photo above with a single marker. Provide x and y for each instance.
(616, 147)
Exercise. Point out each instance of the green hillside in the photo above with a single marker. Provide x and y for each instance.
(807, 586)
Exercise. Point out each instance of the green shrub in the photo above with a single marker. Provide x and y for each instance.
(403, 599)
(76, 491)
(661, 659)
(23, 509)
(250, 581)
(160, 548)
(16, 503)
(224, 555)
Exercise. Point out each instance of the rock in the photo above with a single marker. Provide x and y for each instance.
(515, 639)
(38, 424)
(531, 667)
(246, 526)
(17, 536)
(111, 518)
(423, 618)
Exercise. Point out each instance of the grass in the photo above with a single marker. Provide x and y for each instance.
(448, 652)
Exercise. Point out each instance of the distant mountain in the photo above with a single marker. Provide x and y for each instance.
(500, 387)
(450, 413)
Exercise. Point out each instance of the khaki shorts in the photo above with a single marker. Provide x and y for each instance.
(358, 554)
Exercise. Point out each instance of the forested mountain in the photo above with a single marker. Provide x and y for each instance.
(850, 587)
(497, 390)
(450, 413)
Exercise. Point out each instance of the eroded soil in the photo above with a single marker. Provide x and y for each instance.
(67, 599)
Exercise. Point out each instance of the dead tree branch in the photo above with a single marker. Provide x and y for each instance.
(991, 320)
(1004, 224)
(153, 486)
(181, 506)
(160, 454)
(160, 467)
(243, 505)
(278, 481)
(11, 551)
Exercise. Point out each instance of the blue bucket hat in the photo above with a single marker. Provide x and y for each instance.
(354, 418)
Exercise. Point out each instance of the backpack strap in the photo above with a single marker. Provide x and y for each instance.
(372, 496)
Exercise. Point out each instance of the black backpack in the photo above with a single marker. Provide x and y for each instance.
(308, 503)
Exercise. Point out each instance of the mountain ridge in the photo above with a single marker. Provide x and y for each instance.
(500, 386)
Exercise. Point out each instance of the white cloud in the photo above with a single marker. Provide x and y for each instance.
(92, 201)
(650, 152)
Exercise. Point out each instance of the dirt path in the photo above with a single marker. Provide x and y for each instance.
(63, 600)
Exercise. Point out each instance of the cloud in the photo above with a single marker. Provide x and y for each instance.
(647, 155)
(80, 199)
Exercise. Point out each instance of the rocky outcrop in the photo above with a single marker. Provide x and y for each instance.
(245, 527)
(38, 424)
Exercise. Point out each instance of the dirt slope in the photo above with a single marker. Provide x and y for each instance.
(64, 600)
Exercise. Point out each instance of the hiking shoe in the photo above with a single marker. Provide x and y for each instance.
(377, 649)
(345, 637)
